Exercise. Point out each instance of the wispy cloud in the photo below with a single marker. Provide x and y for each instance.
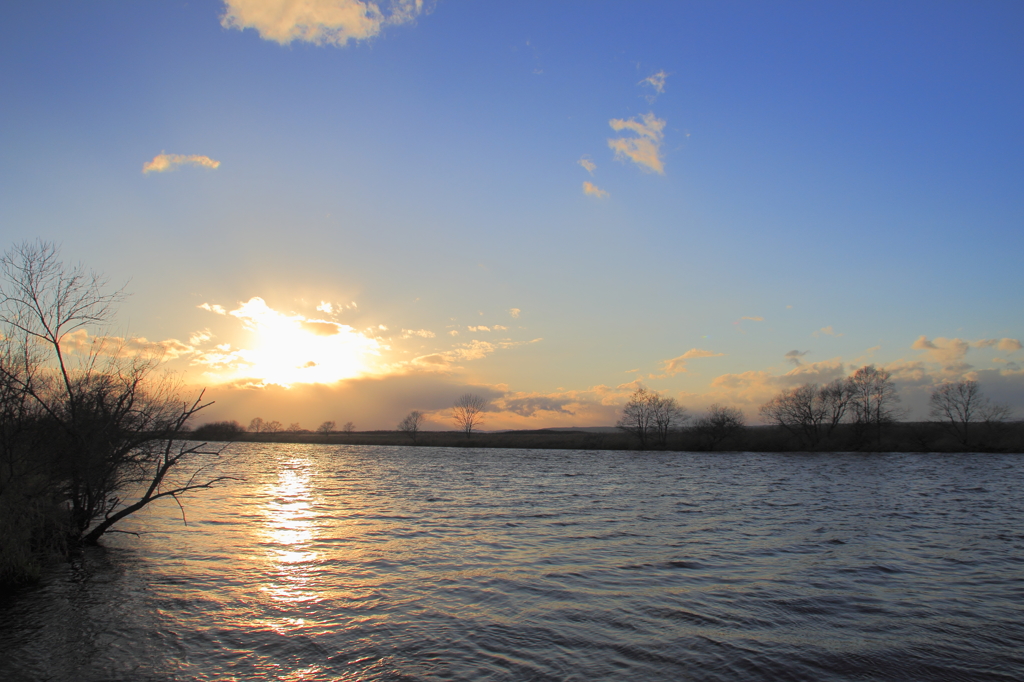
(592, 190)
(423, 333)
(321, 22)
(827, 331)
(587, 164)
(219, 309)
(514, 312)
(645, 149)
(678, 364)
(474, 350)
(79, 341)
(162, 162)
(795, 355)
(657, 82)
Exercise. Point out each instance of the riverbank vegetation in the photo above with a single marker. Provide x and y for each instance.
(89, 432)
(857, 413)
(897, 437)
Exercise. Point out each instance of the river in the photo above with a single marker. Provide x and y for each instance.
(398, 563)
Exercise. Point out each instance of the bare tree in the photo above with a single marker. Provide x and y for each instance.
(256, 425)
(720, 423)
(649, 417)
(348, 427)
(325, 428)
(810, 412)
(294, 427)
(410, 425)
(467, 412)
(874, 399)
(668, 417)
(272, 427)
(960, 404)
(103, 432)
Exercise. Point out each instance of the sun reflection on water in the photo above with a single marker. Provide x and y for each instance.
(289, 534)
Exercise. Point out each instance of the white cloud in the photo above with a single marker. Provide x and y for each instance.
(321, 22)
(643, 150)
(589, 165)
(592, 190)
(424, 333)
(514, 312)
(213, 308)
(325, 307)
(168, 162)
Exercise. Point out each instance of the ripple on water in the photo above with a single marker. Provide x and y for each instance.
(373, 563)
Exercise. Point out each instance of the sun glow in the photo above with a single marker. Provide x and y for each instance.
(291, 349)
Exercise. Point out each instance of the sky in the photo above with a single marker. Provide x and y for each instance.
(339, 210)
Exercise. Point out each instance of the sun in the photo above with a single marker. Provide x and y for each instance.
(292, 349)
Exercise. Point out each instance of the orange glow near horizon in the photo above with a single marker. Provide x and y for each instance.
(292, 349)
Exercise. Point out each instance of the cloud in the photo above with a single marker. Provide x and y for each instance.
(643, 150)
(952, 353)
(827, 331)
(795, 355)
(474, 350)
(480, 328)
(749, 390)
(514, 312)
(168, 162)
(590, 189)
(677, 365)
(656, 81)
(321, 22)
(213, 308)
(756, 318)
(589, 165)
(325, 307)
(320, 327)
(200, 337)
(529, 406)
(1008, 345)
(424, 333)
(79, 341)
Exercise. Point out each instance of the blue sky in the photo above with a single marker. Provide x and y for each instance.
(839, 182)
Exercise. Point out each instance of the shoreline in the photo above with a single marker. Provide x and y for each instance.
(899, 437)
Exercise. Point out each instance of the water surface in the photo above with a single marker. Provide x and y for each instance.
(390, 563)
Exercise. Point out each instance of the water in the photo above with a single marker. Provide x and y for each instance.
(389, 563)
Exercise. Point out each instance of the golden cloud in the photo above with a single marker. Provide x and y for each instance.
(162, 163)
(590, 189)
(643, 150)
(321, 22)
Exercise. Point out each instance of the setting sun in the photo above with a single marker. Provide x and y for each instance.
(290, 349)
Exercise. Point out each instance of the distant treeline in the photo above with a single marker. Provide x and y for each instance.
(896, 437)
